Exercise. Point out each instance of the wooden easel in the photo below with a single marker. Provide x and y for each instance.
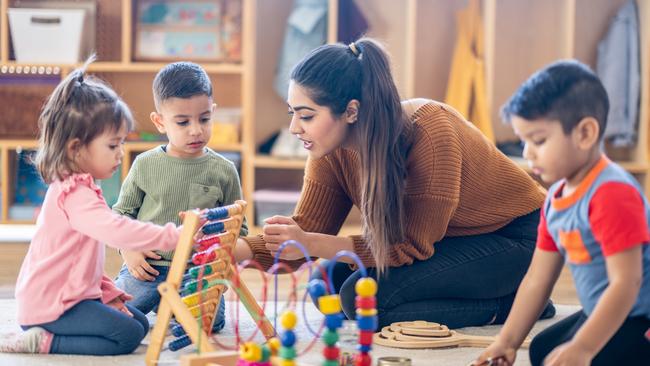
(171, 302)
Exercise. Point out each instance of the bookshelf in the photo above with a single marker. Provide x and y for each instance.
(419, 35)
(114, 44)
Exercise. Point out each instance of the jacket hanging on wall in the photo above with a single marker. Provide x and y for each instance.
(306, 30)
(619, 69)
(466, 89)
(352, 23)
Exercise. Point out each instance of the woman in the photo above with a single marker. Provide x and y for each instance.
(449, 222)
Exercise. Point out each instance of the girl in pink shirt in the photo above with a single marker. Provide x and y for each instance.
(65, 302)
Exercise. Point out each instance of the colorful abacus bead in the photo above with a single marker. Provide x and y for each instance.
(287, 353)
(366, 288)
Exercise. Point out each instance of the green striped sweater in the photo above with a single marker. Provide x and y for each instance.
(160, 186)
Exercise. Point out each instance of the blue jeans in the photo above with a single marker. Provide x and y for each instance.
(92, 328)
(469, 280)
(146, 296)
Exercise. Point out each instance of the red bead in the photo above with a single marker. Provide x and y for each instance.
(362, 359)
(365, 302)
(203, 257)
(207, 241)
(331, 353)
(365, 337)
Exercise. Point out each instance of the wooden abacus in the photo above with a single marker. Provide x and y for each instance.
(222, 231)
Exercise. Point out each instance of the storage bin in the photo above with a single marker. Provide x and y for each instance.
(269, 202)
(47, 36)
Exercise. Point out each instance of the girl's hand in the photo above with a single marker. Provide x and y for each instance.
(497, 354)
(119, 305)
(277, 230)
(569, 354)
(137, 265)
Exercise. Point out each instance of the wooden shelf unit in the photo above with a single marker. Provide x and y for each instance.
(232, 82)
(420, 36)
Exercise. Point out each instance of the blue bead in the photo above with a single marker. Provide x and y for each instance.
(367, 323)
(216, 213)
(316, 288)
(288, 338)
(179, 343)
(178, 331)
(333, 321)
(212, 228)
(364, 349)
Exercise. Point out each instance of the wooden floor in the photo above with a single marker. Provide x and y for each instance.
(11, 256)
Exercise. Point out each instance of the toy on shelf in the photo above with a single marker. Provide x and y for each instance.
(422, 334)
(217, 231)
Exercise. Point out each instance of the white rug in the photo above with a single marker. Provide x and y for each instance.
(431, 357)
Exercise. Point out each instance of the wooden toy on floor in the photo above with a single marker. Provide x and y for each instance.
(220, 231)
(422, 334)
(329, 304)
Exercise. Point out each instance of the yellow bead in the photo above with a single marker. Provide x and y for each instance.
(250, 351)
(366, 287)
(329, 304)
(366, 312)
(287, 363)
(274, 345)
(288, 320)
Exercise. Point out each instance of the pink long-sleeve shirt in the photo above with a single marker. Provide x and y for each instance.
(65, 261)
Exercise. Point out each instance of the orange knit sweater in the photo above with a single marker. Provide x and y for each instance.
(458, 184)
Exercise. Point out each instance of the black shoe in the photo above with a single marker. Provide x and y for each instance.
(549, 310)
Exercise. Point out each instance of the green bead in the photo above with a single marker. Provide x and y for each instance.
(288, 353)
(330, 337)
(330, 363)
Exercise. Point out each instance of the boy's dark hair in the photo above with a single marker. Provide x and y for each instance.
(180, 80)
(567, 91)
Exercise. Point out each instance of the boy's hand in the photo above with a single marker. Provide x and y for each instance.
(138, 267)
(568, 354)
(497, 354)
(118, 304)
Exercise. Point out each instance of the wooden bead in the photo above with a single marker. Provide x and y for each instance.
(331, 353)
(362, 359)
(317, 288)
(366, 287)
(250, 351)
(365, 302)
(367, 312)
(288, 319)
(288, 338)
(329, 304)
(365, 336)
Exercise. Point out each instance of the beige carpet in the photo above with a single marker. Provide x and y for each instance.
(432, 357)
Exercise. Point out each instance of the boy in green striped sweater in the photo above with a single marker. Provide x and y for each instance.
(181, 175)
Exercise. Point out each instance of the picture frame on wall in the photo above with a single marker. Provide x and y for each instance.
(199, 30)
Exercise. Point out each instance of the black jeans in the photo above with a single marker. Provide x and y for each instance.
(628, 346)
(469, 280)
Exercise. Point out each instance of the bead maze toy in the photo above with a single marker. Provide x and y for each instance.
(282, 351)
(421, 334)
(214, 233)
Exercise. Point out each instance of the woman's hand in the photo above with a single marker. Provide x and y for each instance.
(277, 230)
(569, 354)
(497, 354)
(118, 303)
(138, 266)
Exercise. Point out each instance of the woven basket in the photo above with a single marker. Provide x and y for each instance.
(21, 107)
